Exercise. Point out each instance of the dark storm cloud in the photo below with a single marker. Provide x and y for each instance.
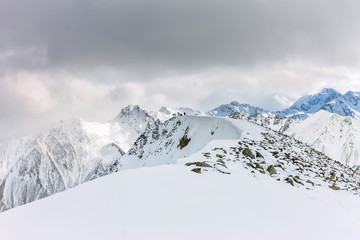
(175, 35)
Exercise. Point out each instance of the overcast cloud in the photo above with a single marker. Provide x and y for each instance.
(90, 58)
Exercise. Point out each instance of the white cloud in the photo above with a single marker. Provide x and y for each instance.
(33, 93)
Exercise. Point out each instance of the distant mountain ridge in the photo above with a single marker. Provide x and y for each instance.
(330, 100)
(225, 110)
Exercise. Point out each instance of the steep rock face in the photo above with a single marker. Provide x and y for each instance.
(335, 135)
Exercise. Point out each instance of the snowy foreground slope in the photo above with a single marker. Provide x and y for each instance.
(247, 182)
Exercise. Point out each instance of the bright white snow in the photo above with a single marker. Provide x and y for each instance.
(170, 202)
(335, 135)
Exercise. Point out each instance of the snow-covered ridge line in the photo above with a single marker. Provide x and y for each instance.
(239, 143)
(328, 99)
(75, 151)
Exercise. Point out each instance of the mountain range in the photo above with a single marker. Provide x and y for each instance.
(328, 99)
(199, 177)
(75, 151)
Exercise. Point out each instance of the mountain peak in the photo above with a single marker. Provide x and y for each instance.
(310, 104)
(234, 106)
(329, 91)
(132, 110)
(235, 103)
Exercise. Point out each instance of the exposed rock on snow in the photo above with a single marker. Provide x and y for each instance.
(259, 150)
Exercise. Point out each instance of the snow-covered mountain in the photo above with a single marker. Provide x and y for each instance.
(225, 110)
(179, 137)
(217, 142)
(165, 113)
(335, 135)
(206, 167)
(330, 133)
(328, 99)
(133, 120)
(75, 151)
(310, 104)
(66, 154)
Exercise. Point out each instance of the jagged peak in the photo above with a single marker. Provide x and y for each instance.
(329, 91)
(235, 103)
(132, 110)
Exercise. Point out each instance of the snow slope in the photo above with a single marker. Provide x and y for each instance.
(171, 202)
(335, 135)
(227, 179)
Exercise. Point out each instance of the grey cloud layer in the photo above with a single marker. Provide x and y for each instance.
(60, 58)
(175, 35)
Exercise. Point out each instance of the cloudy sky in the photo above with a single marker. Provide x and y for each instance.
(90, 58)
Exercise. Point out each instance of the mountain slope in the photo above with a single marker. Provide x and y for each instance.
(240, 144)
(335, 135)
(177, 138)
(66, 154)
(235, 196)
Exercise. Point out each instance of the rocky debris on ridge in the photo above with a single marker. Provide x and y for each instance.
(285, 159)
